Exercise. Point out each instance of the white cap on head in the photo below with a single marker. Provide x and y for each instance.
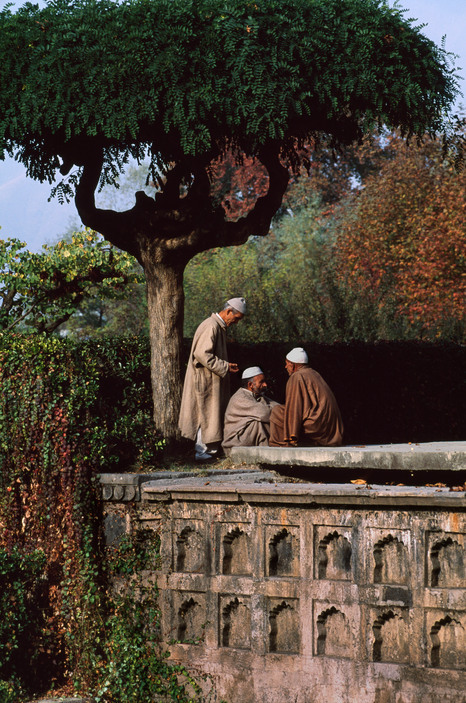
(297, 356)
(251, 372)
(239, 304)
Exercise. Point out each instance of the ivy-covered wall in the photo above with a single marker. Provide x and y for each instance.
(67, 412)
(62, 400)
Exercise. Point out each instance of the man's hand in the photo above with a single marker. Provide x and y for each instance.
(233, 368)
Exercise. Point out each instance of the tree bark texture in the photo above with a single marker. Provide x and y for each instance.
(165, 302)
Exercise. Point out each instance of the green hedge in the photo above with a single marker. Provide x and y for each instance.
(87, 399)
(23, 633)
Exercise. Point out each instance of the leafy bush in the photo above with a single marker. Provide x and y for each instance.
(90, 399)
(23, 637)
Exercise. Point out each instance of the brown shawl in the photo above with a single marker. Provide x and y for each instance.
(310, 414)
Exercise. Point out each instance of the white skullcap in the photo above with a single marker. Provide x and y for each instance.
(239, 304)
(251, 372)
(297, 356)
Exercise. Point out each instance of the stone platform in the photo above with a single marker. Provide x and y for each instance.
(431, 456)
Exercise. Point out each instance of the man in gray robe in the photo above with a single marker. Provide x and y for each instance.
(206, 388)
(247, 417)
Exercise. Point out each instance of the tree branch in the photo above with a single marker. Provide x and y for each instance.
(117, 227)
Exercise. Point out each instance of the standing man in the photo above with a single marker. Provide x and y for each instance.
(310, 415)
(206, 390)
(247, 417)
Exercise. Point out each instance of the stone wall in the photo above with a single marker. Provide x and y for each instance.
(303, 593)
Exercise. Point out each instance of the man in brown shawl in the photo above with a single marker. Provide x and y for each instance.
(206, 388)
(310, 415)
(247, 417)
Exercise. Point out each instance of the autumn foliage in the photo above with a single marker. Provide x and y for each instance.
(402, 237)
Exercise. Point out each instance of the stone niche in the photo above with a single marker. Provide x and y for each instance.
(190, 548)
(391, 555)
(446, 560)
(283, 625)
(333, 553)
(391, 635)
(447, 635)
(333, 636)
(189, 616)
(235, 549)
(391, 563)
(281, 550)
(235, 621)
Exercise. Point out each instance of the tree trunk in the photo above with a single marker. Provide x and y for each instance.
(165, 302)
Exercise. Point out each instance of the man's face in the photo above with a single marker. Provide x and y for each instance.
(289, 366)
(258, 385)
(232, 317)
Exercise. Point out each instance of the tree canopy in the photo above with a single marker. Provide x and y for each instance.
(402, 238)
(185, 78)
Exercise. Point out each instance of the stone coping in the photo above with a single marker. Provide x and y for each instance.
(125, 487)
(301, 494)
(319, 487)
(430, 456)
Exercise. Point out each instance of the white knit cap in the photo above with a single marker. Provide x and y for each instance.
(251, 372)
(297, 356)
(239, 304)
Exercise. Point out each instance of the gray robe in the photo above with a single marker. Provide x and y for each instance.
(247, 420)
(206, 388)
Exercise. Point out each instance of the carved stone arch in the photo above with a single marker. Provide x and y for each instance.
(235, 547)
(181, 543)
(281, 553)
(334, 557)
(236, 625)
(333, 634)
(283, 628)
(191, 551)
(391, 638)
(187, 620)
(447, 564)
(448, 640)
(391, 561)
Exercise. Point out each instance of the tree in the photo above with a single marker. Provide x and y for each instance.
(402, 238)
(44, 290)
(86, 84)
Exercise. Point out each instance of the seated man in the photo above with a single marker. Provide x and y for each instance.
(310, 416)
(248, 413)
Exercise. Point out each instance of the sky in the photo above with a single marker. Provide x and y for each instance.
(26, 214)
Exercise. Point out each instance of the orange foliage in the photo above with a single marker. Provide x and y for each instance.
(402, 237)
(237, 182)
